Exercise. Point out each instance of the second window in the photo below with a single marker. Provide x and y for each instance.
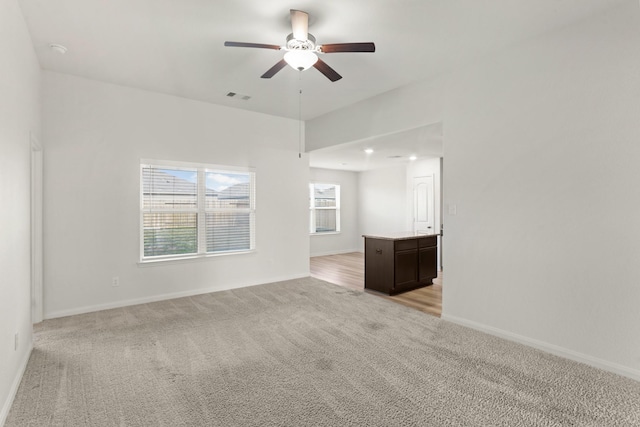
(324, 208)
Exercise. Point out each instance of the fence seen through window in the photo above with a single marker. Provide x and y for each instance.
(189, 211)
(324, 208)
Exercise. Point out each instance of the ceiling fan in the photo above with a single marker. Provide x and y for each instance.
(302, 50)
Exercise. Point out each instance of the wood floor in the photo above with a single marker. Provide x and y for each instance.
(348, 270)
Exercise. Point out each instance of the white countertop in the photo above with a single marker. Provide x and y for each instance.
(400, 235)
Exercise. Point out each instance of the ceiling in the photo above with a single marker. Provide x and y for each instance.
(176, 46)
(388, 150)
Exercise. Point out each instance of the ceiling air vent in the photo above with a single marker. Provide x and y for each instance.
(238, 96)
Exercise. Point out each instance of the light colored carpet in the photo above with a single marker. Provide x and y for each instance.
(301, 353)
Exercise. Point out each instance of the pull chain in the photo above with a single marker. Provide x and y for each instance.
(300, 116)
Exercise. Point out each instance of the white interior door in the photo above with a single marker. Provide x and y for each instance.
(424, 207)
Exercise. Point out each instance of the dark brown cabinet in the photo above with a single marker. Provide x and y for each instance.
(394, 264)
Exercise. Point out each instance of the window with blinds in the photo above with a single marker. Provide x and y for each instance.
(324, 208)
(195, 210)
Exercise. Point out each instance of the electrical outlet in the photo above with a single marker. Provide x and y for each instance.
(115, 281)
(15, 341)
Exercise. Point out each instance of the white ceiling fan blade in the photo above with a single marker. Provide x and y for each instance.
(299, 24)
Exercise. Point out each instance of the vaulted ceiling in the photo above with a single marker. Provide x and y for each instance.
(176, 46)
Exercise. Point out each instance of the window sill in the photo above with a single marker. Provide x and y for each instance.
(192, 258)
(328, 233)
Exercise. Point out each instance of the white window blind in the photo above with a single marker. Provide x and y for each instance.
(229, 211)
(324, 208)
(189, 211)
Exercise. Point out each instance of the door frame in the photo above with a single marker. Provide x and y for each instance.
(36, 231)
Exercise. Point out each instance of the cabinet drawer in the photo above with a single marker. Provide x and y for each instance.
(427, 242)
(403, 245)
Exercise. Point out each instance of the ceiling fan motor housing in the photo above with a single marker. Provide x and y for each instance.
(296, 44)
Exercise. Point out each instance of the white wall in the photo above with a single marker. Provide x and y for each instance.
(401, 109)
(97, 133)
(19, 116)
(542, 149)
(348, 240)
(386, 200)
(382, 201)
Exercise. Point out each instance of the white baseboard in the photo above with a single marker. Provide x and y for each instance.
(6, 407)
(162, 297)
(549, 348)
(340, 252)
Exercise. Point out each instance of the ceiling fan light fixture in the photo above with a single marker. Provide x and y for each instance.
(300, 59)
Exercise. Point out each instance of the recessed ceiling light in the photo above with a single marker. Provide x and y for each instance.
(412, 157)
(58, 48)
(368, 150)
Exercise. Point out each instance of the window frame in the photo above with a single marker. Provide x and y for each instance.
(313, 209)
(201, 209)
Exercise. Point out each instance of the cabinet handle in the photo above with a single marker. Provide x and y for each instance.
(379, 251)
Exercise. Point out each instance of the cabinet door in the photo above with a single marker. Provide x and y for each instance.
(406, 274)
(378, 264)
(428, 264)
